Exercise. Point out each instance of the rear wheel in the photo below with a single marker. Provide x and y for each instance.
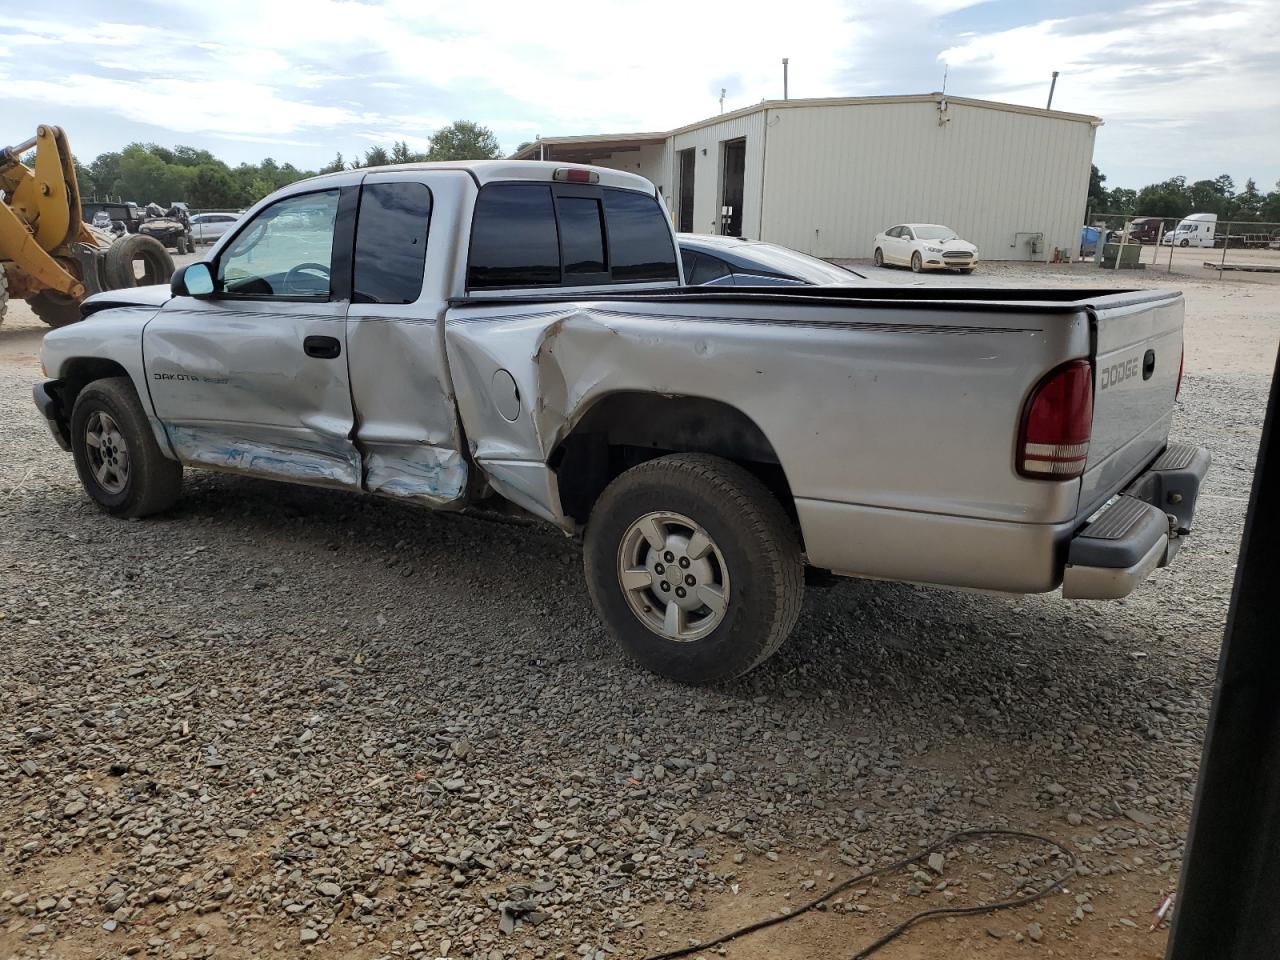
(878, 259)
(916, 263)
(694, 567)
(117, 457)
(138, 260)
(54, 308)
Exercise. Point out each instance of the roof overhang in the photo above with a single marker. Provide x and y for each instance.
(588, 148)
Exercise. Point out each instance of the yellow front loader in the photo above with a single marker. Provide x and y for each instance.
(48, 255)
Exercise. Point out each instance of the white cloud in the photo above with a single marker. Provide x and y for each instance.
(1154, 73)
(342, 73)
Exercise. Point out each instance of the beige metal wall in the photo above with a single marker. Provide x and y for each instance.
(836, 175)
(706, 143)
(649, 161)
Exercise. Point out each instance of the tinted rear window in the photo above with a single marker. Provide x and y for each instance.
(581, 235)
(391, 242)
(640, 246)
(513, 237)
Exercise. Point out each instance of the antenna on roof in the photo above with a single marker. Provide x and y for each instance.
(785, 61)
(1052, 83)
(722, 99)
(945, 67)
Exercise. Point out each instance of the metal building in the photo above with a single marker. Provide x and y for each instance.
(824, 176)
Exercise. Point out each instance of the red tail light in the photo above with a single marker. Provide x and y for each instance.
(1181, 360)
(1056, 424)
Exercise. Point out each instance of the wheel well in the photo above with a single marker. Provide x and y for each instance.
(78, 373)
(625, 429)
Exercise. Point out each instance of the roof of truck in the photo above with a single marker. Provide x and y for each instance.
(489, 171)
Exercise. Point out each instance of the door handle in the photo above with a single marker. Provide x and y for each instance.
(322, 348)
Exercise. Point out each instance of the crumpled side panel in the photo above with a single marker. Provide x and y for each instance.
(433, 475)
(302, 460)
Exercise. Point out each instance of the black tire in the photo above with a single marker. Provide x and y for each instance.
(1185, 243)
(121, 273)
(153, 481)
(749, 529)
(4, 293)
(180, 246)
(878, 258)
(966, 270)
(55, 309)
(917, 263)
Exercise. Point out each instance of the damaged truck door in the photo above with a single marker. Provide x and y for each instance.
(254, 379)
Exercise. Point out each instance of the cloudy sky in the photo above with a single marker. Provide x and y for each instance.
(1185, 86)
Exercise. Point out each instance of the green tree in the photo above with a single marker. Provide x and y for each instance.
(105, 170)
(464, 140)
(1098, 200)
(376, 156)
(336, 165)
(1167, 199)
(1249, 201)
(1122, 200)
(213, 186)
(1270, 209)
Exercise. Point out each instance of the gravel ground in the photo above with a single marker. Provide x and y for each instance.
(303, 722)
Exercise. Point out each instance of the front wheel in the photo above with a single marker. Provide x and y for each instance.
(878, 259)
(694, 567)
(916, 263)
(966, 270)
(1185, 243)
(117, 457)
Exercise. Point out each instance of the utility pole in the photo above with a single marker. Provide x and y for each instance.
(1052, 83)
(785, 61)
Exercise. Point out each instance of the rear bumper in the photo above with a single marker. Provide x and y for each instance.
(887, 544)
(44, 392)
(1138, 531)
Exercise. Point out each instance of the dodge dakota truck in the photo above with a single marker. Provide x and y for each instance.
(449, 333)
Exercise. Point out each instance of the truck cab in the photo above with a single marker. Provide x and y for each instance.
(1196, 230)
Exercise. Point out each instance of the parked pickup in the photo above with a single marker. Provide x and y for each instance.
(450, 333)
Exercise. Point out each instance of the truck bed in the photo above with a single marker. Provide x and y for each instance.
(896, 409)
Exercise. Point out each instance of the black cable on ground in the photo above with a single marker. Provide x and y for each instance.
(910, 922)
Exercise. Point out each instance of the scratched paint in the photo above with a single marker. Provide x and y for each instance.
(301, 460)
(434, 475)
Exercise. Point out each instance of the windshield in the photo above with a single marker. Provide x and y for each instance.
(769, 258)
(934, 231)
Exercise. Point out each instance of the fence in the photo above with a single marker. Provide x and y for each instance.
(1188, 244)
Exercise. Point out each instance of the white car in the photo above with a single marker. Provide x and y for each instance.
(208, 227)
(925, 246)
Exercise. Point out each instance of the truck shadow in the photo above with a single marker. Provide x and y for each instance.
(863, 653)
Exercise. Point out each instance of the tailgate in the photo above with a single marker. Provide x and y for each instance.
(1137, 355)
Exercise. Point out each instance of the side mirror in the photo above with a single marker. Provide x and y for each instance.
(193, 280)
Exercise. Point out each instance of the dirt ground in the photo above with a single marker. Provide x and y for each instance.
(1079, 721)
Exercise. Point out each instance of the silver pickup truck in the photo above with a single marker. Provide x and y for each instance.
(450, 333)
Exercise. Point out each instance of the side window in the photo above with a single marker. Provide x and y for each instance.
(906, 233)
(581, 236)
(513, 238)
(391, 242)
(285, 251)
(708, 268)
(689, 260)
